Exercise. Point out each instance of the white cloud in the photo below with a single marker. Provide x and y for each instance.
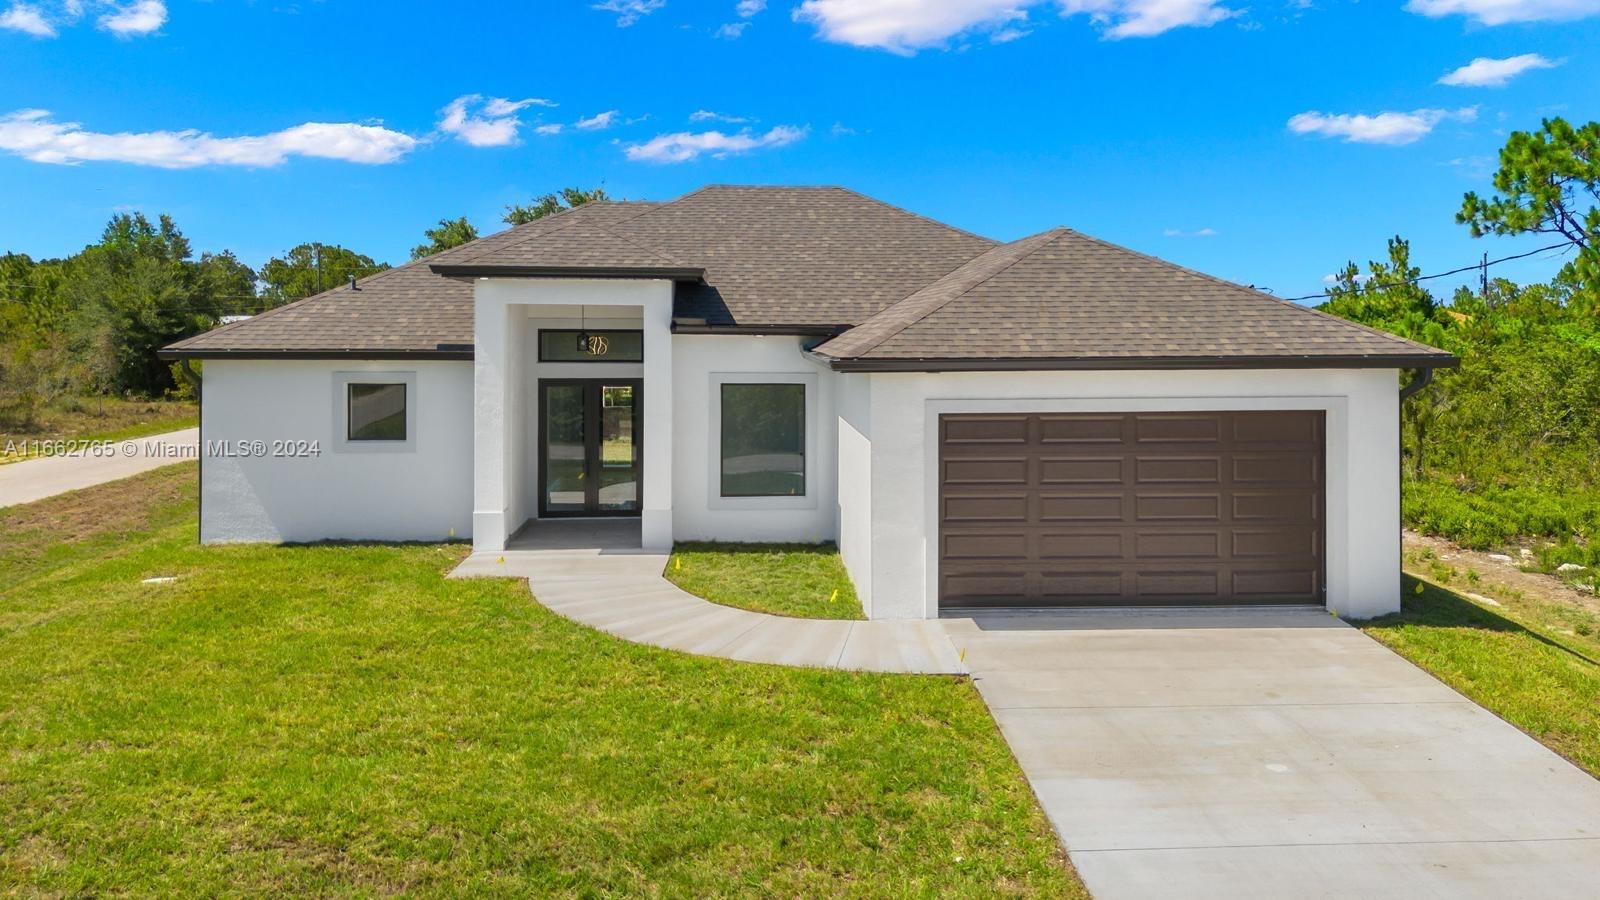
(597, 122)
(684, 146)
(1499, 12)
(1393, 128)
(906, 26)
(33, 135)
(732, 31)
(706, 115)
(1487, 72)
(480, 123)
(27, 19)
(629, 11)
(1148, 18)
(1201, 233)
(136, 19)
(748, 8)
(548, 129)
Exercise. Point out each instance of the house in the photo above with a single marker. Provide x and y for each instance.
(1050, 421)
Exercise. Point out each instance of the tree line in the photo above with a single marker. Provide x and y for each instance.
(90, 324)
(1507, 445)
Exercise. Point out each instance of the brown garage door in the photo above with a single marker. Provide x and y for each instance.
(1152, 509)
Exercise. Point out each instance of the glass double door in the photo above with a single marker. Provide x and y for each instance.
(589, 448)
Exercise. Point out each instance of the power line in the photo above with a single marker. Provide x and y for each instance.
(1481, 265)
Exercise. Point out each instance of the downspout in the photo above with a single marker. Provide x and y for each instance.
(193, 377)
(1424, 377)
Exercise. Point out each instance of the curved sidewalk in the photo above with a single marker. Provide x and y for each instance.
(624, 594)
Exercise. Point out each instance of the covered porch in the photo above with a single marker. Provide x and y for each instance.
(572, 414)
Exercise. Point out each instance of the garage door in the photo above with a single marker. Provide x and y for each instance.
(1155, 509)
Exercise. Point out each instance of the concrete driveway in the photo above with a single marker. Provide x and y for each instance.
(1274, 754)
(36, 479)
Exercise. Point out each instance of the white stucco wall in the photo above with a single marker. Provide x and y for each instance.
(422, 491)
(1362, 483)
(701, 363)
(854, 402)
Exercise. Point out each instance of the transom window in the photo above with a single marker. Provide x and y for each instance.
(377, 412)
(763, 440)
(591, 346)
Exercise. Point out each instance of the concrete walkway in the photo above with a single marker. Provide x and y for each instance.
(1274, 754)
(36, 479)
(622, 593)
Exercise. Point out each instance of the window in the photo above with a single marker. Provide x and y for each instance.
(377, 412)
(763, 440)
(597, 346)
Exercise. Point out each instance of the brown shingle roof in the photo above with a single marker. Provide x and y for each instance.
(786, 257)
(1064, 296)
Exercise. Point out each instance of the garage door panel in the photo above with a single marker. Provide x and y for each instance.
(1152, 583)
(1289, 467)
(986, 471)
(992, 585)
(1178, 545)
(1181, 469)
(1300, 584)
(986, 545)
(1061, 508)
(1080, 545)
(985, 430)
(1289, 541)
(987, 509)
(1169, 507)
(1166, 428)
(1131, 508)
(1082, 470)
(1303, 430)
(1080, 429)
(1294, 507)
(1087, 586)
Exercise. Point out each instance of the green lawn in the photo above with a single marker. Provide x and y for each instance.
(340, 719)
(1533, 662)
(803, 580)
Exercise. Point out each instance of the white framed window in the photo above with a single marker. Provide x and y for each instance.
(374, 412)
(763, 441)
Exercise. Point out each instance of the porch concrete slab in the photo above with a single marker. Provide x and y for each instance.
(624, 594)
(1276, 755)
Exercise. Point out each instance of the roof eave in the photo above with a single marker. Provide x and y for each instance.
(442, 351)
(1407, 361)
(700, 326)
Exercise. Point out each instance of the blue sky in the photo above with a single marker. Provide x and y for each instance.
(1264, 142)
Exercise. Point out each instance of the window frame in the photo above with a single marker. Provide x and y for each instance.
(538, 340)
(343, 443)
(714, 496)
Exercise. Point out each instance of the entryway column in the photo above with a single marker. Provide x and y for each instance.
(656, 513)
(493, 340)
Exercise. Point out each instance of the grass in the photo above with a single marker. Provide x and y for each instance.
(97, 419)
(1533, 662)
(807, 581)
(340, 719)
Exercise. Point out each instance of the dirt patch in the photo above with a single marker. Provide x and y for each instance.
(1495, 576)
(120, 507)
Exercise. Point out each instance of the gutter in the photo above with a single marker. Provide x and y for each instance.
(441, 351)
(1426, 362)
(1423, 378)
(700, 326)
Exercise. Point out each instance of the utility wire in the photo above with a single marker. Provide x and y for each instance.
(1477, 265)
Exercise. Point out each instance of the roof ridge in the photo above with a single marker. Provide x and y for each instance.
(932, 305)
(560, 226)
(1260, 293)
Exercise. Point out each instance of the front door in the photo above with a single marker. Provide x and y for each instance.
(589, 447)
